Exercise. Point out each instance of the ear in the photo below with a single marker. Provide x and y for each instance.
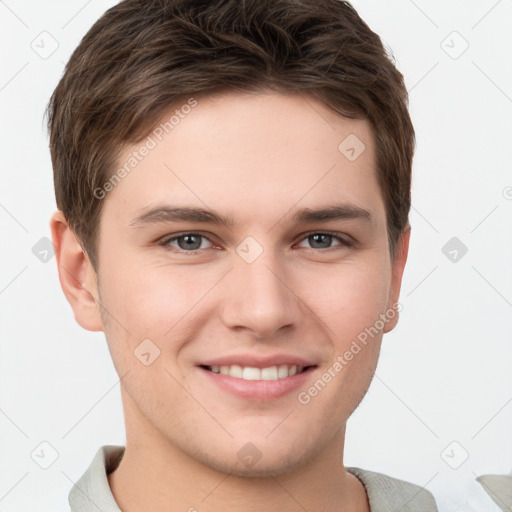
(76, 274)
(397, 270)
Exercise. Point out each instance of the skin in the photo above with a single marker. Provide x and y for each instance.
(258, 157)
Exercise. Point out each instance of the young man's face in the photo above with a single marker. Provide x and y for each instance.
(262, 292)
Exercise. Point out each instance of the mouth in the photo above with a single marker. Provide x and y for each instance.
(257, 384)
(254, 373)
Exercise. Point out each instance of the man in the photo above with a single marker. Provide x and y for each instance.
(233, 185)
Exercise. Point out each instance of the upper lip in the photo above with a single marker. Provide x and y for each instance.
(256, 361)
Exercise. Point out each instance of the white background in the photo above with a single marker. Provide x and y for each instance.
(444, 373)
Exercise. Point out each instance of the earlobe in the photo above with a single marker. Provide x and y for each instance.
(398, 265)
(76, 274)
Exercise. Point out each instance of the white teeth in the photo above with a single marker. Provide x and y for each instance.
(236, 371)
(282, 371)
(252, 373)
(269, 373)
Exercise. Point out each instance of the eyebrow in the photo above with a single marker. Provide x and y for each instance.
(304, 216)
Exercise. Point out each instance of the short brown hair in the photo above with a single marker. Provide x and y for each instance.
(143, 56)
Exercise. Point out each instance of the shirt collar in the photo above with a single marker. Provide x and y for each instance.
(93, 489)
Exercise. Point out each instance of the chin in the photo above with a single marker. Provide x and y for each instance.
(257, 459)
(262, 468)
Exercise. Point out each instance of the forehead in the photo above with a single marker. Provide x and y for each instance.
(250, 154)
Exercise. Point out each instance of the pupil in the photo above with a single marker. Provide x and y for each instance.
(188, 244)
(323, 236)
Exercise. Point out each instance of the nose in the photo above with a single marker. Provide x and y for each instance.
(261, 298)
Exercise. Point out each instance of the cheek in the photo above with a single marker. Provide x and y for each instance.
(349, 297)
(349, 308)
(149, 300)
(151, 303)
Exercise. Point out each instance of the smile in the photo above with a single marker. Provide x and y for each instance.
(253, 373)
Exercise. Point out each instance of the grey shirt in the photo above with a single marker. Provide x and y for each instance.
(385, 494)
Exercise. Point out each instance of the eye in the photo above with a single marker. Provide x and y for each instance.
(321, 240)
(183, 243)
(186, 242)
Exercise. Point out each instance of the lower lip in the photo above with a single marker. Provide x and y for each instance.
(259, 389)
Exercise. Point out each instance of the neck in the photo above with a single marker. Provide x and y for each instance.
(155, 474)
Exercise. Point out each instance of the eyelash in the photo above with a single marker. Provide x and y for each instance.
(165, 242)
